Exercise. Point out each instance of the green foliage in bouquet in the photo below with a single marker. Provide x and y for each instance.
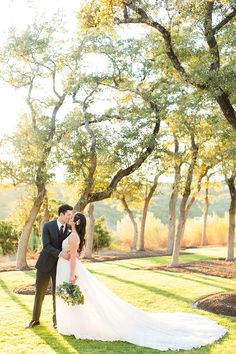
(70, 293)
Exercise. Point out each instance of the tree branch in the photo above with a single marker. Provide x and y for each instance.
(210, 38)
(221, 24)
(127, 171)
(144, 18)
(30, 104)
(222, 99)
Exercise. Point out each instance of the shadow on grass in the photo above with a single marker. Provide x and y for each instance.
(14, 297)
(30, 273)
(162, 260)
(87, 346)
(90, 346)
(133, 266)
(116, 347)
(41, 331)
(120, 347)
(146, 287)
(211, 282)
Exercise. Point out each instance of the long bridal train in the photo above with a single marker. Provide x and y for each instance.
(105, 317)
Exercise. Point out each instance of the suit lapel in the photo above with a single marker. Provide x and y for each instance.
(55, 231)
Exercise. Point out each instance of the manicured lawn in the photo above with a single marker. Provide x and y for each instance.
(147, 289)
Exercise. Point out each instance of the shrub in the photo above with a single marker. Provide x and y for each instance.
(155, 232)
(8, 237)
(102, 237)
(34, 240)
(217, 231)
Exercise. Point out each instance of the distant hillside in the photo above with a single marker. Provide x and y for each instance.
(219, 203)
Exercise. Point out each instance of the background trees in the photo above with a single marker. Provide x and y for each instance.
(202, 60)
(35, 61)
(152, 108)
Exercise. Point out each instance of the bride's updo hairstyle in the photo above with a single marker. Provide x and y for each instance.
(80, 226)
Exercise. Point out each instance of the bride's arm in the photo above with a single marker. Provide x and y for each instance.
(73, 245)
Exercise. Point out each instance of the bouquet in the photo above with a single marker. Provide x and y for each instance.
(70, 293)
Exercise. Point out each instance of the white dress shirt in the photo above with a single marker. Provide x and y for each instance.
(59, 224)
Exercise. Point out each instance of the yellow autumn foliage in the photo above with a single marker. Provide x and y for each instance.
(98, 13)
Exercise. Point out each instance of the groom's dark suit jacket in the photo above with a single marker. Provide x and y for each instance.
(52, 246)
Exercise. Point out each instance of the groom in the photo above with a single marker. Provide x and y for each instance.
(54, 233)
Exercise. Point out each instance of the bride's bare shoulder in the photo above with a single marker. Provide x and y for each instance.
(73, 237)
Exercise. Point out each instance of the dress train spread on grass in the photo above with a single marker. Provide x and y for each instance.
(106, 317)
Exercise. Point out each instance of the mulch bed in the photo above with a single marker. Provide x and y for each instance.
(221, 303)
(111, 256)
(10, 266)
(215, 267)
(29, 290)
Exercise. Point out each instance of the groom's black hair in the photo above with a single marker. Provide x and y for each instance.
(63, 208)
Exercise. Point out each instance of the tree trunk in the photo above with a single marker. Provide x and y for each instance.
(90, 232)
(232, 210)
(46, 214)
(144, 214)
(133, 245)
(143, 224)
(205, 215)
(184, 208)
(180, 232)
(172, 222)
(21, 262)
(173, 202)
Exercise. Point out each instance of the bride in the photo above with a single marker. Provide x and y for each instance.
(105, 317)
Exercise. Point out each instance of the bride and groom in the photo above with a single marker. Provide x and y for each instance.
(104, 316)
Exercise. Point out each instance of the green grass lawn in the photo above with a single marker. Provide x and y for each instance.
(149, 290)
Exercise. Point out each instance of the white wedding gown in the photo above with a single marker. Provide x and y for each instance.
(105, 317)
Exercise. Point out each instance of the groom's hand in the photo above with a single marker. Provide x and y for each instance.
(65, 255)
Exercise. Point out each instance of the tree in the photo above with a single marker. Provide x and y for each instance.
(126, 155)
(208, 69)
(90, 231)
(231, 182)
(174, 195)
(128, 192)
(149, 188)
(194, 166)
(226, 157)
(207, 184)
(34, 62)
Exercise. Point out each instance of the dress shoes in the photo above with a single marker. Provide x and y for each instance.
(31, 324)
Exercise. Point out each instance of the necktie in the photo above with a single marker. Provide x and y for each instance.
(61, 231)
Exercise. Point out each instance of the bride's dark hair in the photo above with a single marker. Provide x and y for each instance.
(80, 225)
